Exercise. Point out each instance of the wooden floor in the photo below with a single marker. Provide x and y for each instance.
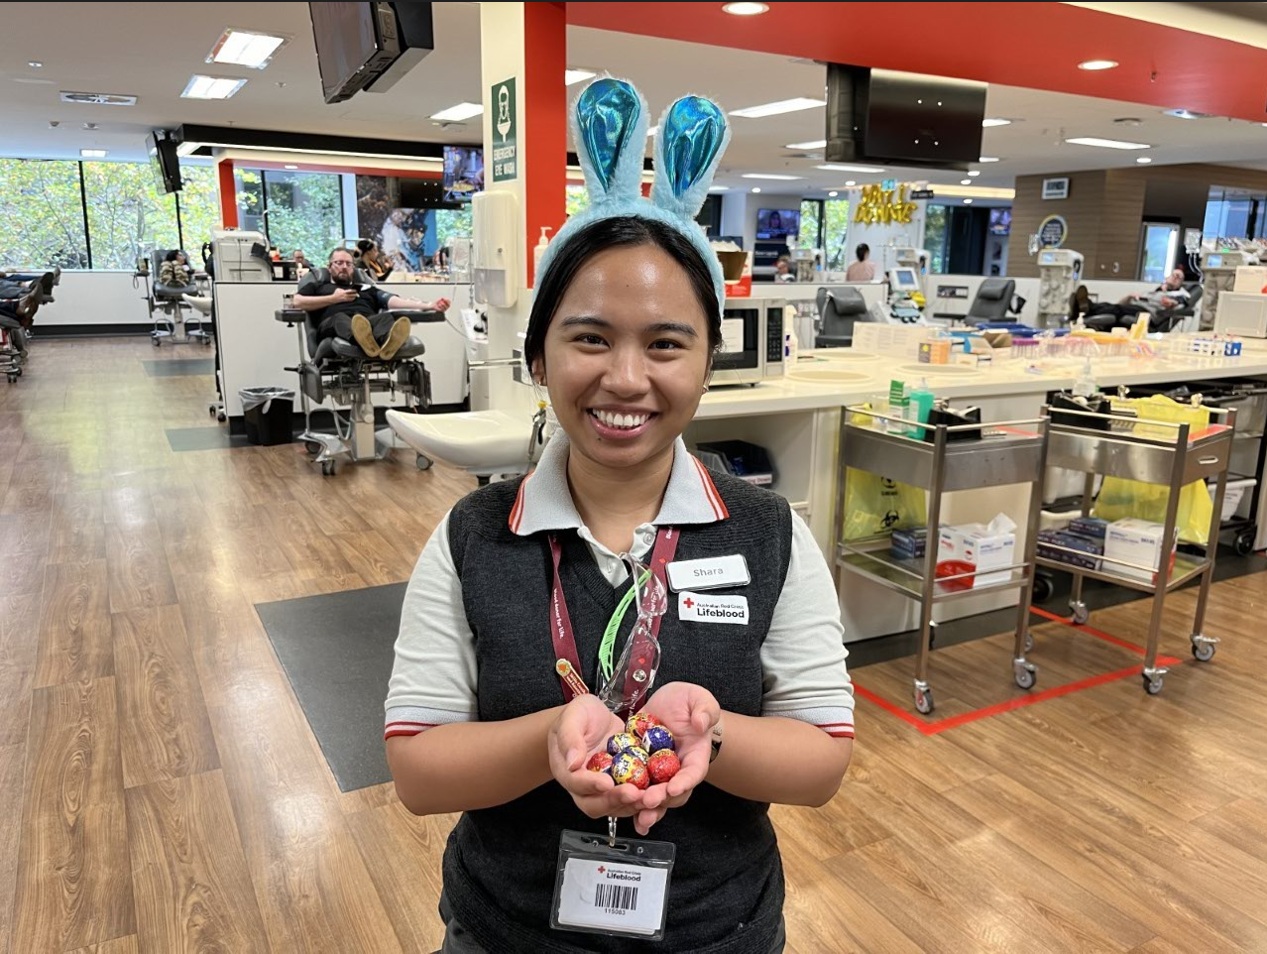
(162, 792)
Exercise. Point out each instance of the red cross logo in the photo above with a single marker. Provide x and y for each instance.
(688, 602)
(601, 869)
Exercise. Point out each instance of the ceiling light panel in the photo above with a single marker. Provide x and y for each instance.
(576, 76)
(815, 144)
(211, 87)
(770, 175)
(245, 48)
(459, 113)
(1106, 143)
(775, 109)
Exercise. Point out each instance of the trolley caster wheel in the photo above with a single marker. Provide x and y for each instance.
(1244, 544)
(221, 416)
(312, 447)
(423, 462)
(923, 701)
(1202, 650)
(211, 412)
(1080, 613)
(327, 468)
(1152, 684)
(1043, 589)
(13, 378)
(155, 341)
(1025, 675)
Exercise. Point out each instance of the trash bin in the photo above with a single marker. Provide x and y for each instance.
(269, 415)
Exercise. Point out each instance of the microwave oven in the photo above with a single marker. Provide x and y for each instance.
(752, 341)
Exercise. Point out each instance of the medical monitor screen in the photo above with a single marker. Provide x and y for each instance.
(904, 280)
(1000, 221)
(463, 172)
(778, 223)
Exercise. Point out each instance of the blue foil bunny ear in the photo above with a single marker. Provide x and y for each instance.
(609, 126)
(692, 137)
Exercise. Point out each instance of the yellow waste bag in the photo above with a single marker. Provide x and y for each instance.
(1120, 499)
(876, 505)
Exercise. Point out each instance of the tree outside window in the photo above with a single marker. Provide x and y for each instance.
(43, 222)
(811, 233)
(453, 222)
(127, 216)
(305, 210)
(935, 228)
(199, 208)
(835, 234)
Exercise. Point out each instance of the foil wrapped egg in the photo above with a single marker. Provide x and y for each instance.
(621, 742)
(625, 768)
(599, 762)
(663, 765)
(659, 738)
(640, 722)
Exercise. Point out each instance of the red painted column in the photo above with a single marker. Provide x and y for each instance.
(545, 121)
(228, 194)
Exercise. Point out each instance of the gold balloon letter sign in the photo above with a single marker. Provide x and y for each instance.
(884, 206)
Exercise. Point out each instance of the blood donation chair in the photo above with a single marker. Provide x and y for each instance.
(168, 308)
(839, 309)
(339, 370)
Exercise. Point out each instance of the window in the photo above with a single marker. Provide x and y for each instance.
(936, 238)
(835, 232)
(305, 210)
(578, 200)
(249, 186)
(199, 203)
(127, 216)
(451, 222)
(811, 234)
(43, 222)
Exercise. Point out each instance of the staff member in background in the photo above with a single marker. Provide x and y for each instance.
(862, 270)
(299, 259)
(783, 270)
(355, 312)
(625, 322)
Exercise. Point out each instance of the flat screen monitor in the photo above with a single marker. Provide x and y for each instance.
(778, 223)
(904, 280)
(357, 44)
(887, 116)
(1000, 221)
(164, 162)
(1214, 261)
(463, 172)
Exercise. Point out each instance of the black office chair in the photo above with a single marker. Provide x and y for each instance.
(13, 348)
(339, 369)
(993, 301)
(1162, 322)
(839, 309)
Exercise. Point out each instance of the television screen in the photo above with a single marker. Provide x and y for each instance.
(778, 223)
(463, 172)
(1000, 221)
(886, 116)
(164, 162)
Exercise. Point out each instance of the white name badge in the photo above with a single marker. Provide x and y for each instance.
(710, 608)
(709, 573)
(607, 896)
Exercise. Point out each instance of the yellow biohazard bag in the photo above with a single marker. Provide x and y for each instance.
(1120, 498)
(876, 505)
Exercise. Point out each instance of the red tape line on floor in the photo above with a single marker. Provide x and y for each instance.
(1083, 627)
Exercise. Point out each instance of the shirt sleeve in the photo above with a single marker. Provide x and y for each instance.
(434, 678)
(803, 656)
(384, 298)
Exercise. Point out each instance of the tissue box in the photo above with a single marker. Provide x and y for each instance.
(1136, 541)
(1084, 545)
(984, 547)
(1088, 527)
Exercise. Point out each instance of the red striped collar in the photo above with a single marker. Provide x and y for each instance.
(544, 501)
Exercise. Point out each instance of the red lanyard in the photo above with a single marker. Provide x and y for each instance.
(568, 660)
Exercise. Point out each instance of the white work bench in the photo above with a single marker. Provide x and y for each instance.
(255, 349)
(798, 423)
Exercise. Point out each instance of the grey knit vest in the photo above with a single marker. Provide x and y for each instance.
(726, 895)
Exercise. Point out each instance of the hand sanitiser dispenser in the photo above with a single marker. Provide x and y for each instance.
(495, 260)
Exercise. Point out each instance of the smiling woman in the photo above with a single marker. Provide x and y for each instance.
(521, 595)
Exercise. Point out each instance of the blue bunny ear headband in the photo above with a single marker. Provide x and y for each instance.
(609, 127)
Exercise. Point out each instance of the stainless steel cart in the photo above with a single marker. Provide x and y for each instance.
(1010, 452)
(1154, 452)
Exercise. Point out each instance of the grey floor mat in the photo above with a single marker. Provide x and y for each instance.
(179, 367)
(336, 650)
(203, 438)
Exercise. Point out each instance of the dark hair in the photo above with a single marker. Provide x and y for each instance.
(863, 251)
(170, 256)
(336, 250)
(616, 232)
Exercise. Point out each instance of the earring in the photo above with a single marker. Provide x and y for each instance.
(704, 389)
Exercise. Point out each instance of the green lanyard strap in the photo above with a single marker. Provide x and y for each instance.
(607, 647)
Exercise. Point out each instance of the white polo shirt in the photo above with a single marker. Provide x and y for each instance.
(434, 679)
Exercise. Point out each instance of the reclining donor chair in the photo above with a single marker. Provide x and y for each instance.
(168, 308)
(339, 370)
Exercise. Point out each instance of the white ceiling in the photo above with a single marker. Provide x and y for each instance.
(129, 48)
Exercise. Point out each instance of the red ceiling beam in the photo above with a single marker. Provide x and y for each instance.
(1030, 45)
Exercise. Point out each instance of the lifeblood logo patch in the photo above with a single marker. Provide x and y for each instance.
(712, 608)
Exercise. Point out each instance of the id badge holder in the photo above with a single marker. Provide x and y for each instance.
(614, 886)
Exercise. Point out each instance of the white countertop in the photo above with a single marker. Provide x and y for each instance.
(781, 395)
